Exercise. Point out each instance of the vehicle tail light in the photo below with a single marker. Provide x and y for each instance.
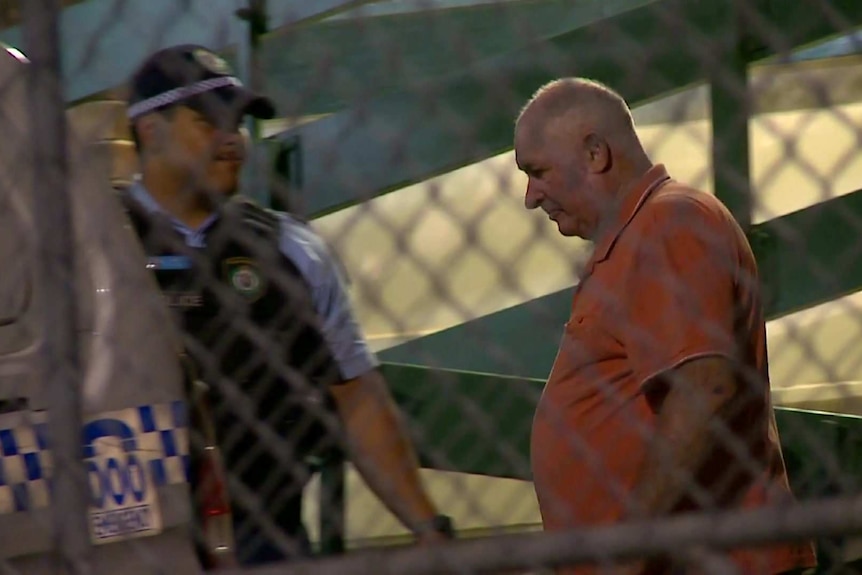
(216, 517)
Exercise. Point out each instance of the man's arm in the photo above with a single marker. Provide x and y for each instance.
(681, 341)
(382, 452)
(698, 391)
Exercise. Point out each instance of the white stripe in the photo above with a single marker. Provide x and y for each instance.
(7, 502)
(181, 93)
(163, 416)
(150, 445)
(14, 470)
(174, 470)
(25, 438)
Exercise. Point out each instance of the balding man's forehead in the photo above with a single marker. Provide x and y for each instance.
(543, 130)
(532, 124)
(527, 116)
(529, 141)
(528, 135)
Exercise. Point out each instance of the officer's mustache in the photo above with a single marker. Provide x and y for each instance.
(229, 154)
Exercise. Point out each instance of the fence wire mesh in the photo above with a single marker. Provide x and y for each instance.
(423, 293)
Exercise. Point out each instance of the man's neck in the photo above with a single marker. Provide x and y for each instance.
(630, 177)
(176, 199)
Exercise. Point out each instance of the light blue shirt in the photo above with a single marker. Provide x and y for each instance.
(309, 253)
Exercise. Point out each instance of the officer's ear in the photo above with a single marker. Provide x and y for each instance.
(150, 131)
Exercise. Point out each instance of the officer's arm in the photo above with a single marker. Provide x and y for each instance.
(382, 452)
(379, 445)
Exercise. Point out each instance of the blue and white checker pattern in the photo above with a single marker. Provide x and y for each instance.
(25, 462)
(160, 431)
(163, 438)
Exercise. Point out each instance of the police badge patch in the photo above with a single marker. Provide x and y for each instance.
(212, 62)
(244, 276)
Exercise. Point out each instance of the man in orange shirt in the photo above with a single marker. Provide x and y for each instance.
(658, 401)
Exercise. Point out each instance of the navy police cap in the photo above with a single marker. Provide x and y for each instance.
(192, 74)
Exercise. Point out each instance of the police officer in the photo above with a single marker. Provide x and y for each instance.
(263, 304)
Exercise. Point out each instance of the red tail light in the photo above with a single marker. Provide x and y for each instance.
(214, 505)
(213, 491)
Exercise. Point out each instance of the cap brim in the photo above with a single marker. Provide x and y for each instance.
(254, 104)
(232, 100)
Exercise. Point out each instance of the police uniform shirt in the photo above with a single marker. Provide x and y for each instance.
(302, 246)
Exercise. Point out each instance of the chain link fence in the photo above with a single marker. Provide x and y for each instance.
(222, 369)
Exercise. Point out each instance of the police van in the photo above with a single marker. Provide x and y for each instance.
(137, 400)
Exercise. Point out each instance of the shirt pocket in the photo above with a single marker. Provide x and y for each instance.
(589, 353)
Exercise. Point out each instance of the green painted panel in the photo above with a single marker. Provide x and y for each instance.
(806, 258)
(404, 137)
(823, 455)
(811, 256)
(432, 127)
(823, 451)
(520, 341)
(338, 63)
(731, 107)
(467, 421)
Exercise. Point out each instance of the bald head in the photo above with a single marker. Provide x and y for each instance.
(577, 107)
(576, 142)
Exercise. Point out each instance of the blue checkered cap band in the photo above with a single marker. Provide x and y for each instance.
(181, 93)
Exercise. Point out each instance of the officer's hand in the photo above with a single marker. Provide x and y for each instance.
(431, 538)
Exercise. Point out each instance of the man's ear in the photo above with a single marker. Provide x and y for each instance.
(149, 129)
(598, 154)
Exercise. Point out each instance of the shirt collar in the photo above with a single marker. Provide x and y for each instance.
(140, 194)
(653, 179)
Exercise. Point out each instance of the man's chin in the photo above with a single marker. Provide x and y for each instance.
(568, 229)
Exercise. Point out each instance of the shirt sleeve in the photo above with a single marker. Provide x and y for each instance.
(331, 301)
(680, 299)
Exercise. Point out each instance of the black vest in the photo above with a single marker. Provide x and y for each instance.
(250, 327)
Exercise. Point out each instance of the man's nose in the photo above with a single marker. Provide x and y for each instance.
(533, 197)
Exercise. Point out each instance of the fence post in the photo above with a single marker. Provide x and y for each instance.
(55, 252)
(731, 110)
(332, 505)
(256, 176)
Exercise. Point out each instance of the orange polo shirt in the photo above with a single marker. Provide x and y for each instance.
(672, 280)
